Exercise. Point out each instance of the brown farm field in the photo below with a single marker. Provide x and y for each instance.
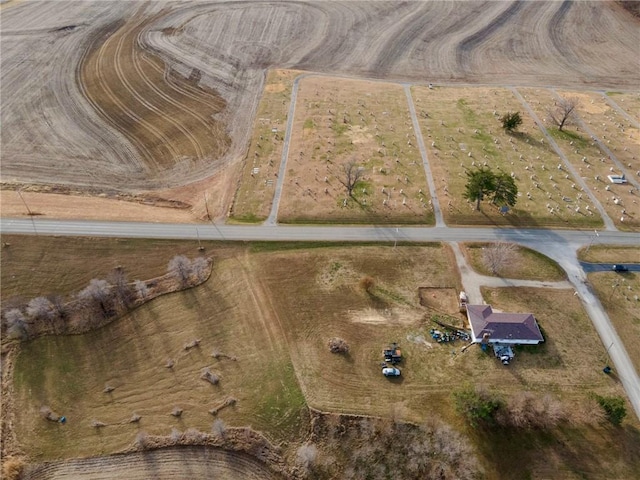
(149, 97)
(297, 297)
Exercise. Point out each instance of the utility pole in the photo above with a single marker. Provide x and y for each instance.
(593, 237)
(200, 247)
(29, 212)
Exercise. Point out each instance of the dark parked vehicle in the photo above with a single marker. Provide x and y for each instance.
(620, 268)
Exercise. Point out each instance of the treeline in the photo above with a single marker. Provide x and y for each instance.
(99, 302)
(526, 410)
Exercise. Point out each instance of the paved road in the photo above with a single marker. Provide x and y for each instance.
(538, 238)
(608, 267)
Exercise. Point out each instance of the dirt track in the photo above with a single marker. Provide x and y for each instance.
(52, 134)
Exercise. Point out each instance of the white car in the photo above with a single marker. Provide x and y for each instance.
(391, 372)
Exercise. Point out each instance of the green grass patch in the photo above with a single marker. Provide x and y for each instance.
(308, 124)
(569, 136)
(248, 217)
(339, 128)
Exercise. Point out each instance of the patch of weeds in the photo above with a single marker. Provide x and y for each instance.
(569, 136)
(396, 297)
(487, 141)
(339, 128)
(308, 123)
(247, 218)
(257, 247)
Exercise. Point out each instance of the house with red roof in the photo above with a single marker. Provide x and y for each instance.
(492, 327)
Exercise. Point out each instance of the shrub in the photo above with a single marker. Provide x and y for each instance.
(142, 440)
(12, 468)
(367, 283)
(306, 455)
(477, 405)
(526, 410)
(176, 435)
(193, 436)
(614, 408)
(338, 345)
(218, 428)
(511, 121)
(16, 325)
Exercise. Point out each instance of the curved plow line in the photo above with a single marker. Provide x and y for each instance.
(192, 92)
(105, 87)
(186, 132)
(122, 77)
(180, 106)
(185, 89)
(131, 154)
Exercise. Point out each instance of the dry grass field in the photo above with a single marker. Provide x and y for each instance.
(297, 297)
(630, 102)
(619, 138)
(59, 129)
(525, 264)
(609, 254)
(619, 293)
(254, 195)
(368, 123)
(462, 131)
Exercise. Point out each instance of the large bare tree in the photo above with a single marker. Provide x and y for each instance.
(98, 296)
(141, 289)
(564, 112)
(352, 174)
(17, 327)
(122, 289)
(498, 256)
(180, 267)
(200, 267)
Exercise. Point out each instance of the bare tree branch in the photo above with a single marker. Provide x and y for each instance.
(498, 255)
(180, 267)
(98, 296)
(352, 174)
(564, 112)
